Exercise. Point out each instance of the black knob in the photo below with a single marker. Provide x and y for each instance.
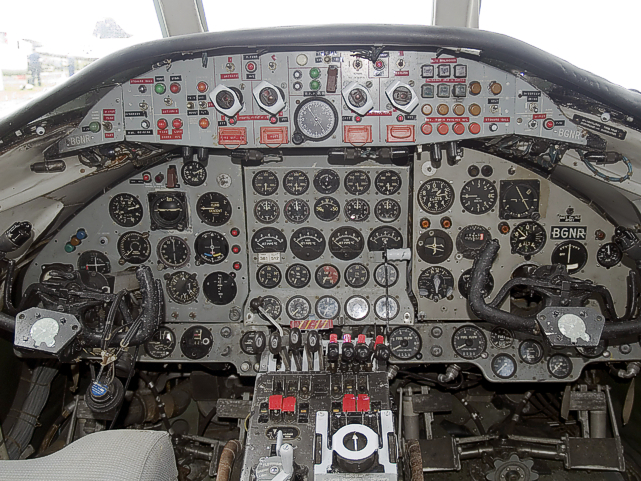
(382, 353)
(259, 342)
(275, 343)
(313, 341)
(295, 339)
(349, 352)
(333, 352)
(255, 303)
(363, 353)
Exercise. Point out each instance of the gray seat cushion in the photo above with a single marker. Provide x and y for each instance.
(121, 455)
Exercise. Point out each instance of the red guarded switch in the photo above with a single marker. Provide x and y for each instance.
(349, 403)
(363, 403)
(275, 402)
(289, 404)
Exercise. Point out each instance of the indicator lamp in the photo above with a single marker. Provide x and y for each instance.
(235, 232)
(475, 88)
(69, 248)
(446, 222)
(504, 228)
(202, 87)
(175, 88)
(81, 234)
(458, 128)
(94, 127)
(443, 128)
(237, 266)
(314, 85)
(314, 72)
(162, 124)
(474, 128)
(425, 224)
(235, 249)
(204, 123)
(426, 128)
(177, 123)
(160, 88)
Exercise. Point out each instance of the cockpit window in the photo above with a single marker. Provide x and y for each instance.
(43, 43)
(586, 33)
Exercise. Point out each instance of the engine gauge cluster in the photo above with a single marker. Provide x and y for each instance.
(325, 228)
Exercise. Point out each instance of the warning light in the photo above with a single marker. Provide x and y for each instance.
(443, 129)
(162, 124)
(504, 228)
(250, 66)
(202, 87)
(474, 128)
(273, 120)
(175, 88)
(426, 128)
(237, 266)
(496, 88)
(235, 249)
(599, 235)
(177, 124)
(475, 88)
(458, 128)
(446, 222)
(146, 177)
(235, 232)
(204, 123)
(425, 224)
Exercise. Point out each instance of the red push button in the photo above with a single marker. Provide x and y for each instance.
(177, 124)
(349, 403)
(458, 128)
(474, 128)
(235, 249)
(275, 402)
(333, 338)
(250, 66)
(442, 129)
(175, 88)
(379, 340)
(426, 128)
(361, 339)
(289, 404)
(162, 124)
(237, 266)
(204, 123)
(363, 403)
(548, 124)
(235, 232)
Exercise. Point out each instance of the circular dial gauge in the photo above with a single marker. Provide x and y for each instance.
(357, 182)
(253, 342)
(519, 201)
(327, 307)
(501, 338)
(297, 276)
(307, 243)
(572, 254)
(211, 247)
(436, 283)
(173, 251)
(194, 173)
(469, 342)
(386, 275)
(327, 276)
(388, 182)
(383, 238)
(161, 344)
(356, 275)
(213, 208)
(560, 366)
(609, 255)
(298, 308)
(125, 210)
(357, 308)
(219, 288)
(346, 243)
(94, 261)
(466, 278)
(434, 246)
(531, 351)
(296, 182)
(272, 306)
(504, 366)
(196, 342)
(268, 276)
(182, 287)
(472, 239)
(168, 211)
(265, 182)
(327, 181)
(316, 118)
(592, 352)
(134, 247)
(327, 208)
(266, 211)
(386, 308)
(296, 211)
(268, 239)
(478, 196)
(356, 210)
(528, 238)
(436, 196)
(405, 343)
(387, 210)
